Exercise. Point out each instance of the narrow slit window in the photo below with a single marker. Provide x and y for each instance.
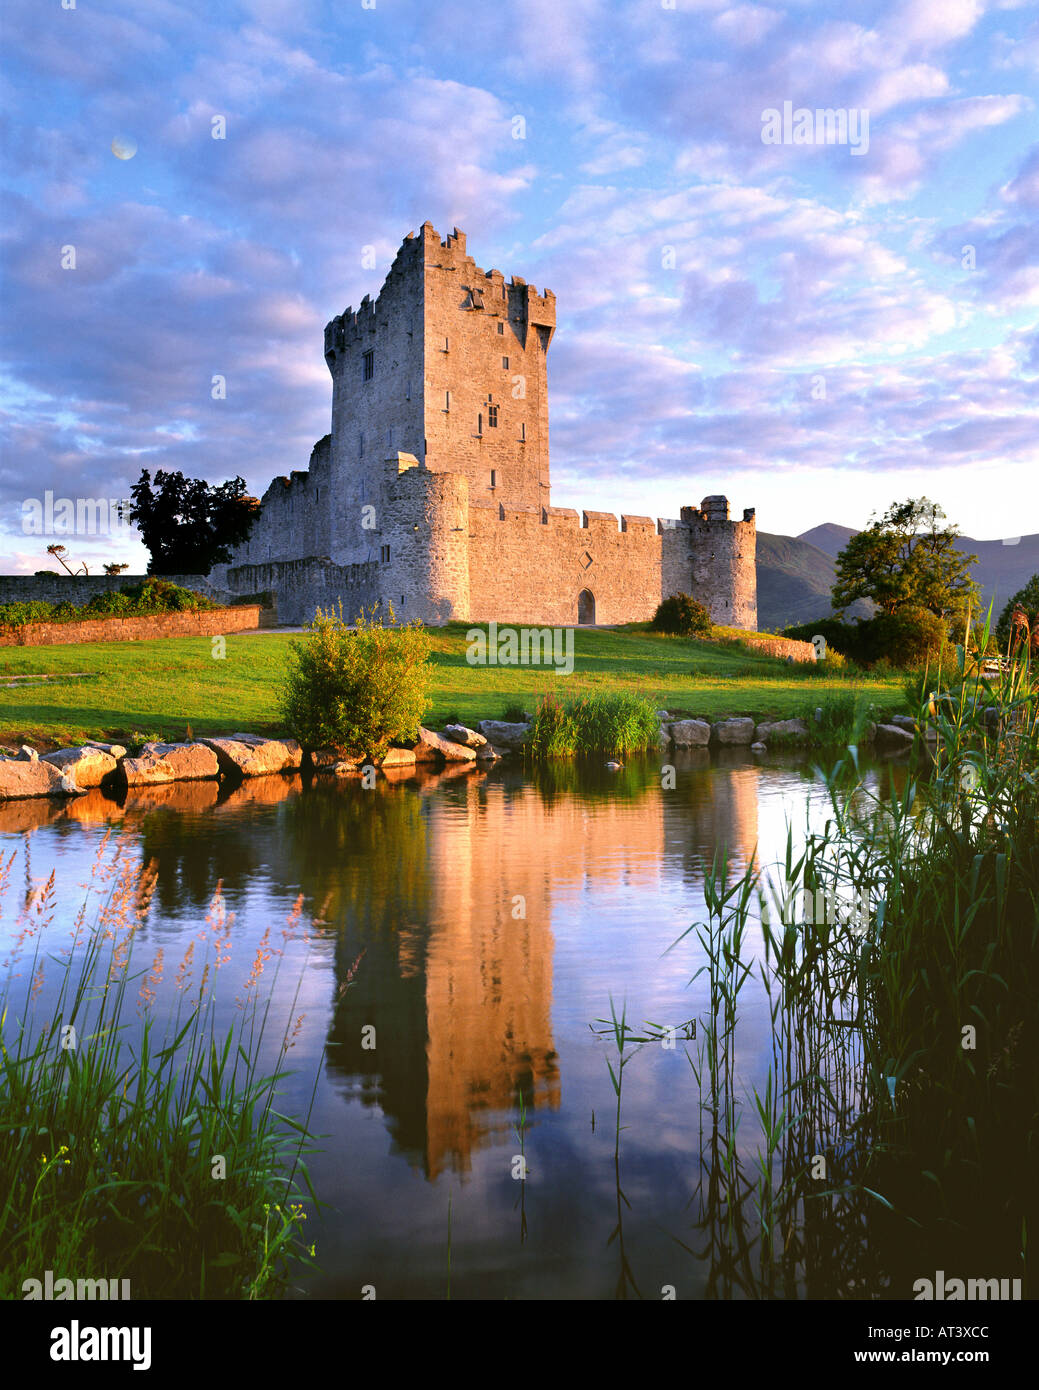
(369, 364)
(501, 327)
(505, 364)
(523, 432)
(384, 554)
(494, 478)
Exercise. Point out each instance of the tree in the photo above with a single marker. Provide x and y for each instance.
(907, 558)
(113, 568)
(1028, 598)
(189, 525)
(59, 552)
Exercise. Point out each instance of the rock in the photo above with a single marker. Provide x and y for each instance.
(503, 735)
(818, 714)
(251, 756)
(116, 749)
(869, 732)
(447, 748)
(485, 753)
(903, 721)
(24, 777)
(733, 731)
(170, 762)
(613, 766)
(758, 748)
(87, 767)
(782, 731)
(26, 754)
(664, 736)
(349, 767)
(690, 733)
(399, 757)
(663, 716)
(329, 760)
(891, 737)
(468, 738)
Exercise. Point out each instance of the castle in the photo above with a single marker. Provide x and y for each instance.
(432, 490)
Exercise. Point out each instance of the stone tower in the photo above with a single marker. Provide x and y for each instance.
(448, 367)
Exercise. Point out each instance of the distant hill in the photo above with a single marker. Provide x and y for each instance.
(795, 573)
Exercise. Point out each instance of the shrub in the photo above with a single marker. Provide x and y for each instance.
(907, 638)
(357, 689)
(682, 616)
(150, 596)
(514, 714)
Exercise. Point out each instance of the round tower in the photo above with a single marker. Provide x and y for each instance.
(427, 572)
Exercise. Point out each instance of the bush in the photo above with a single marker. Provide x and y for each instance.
(357, 689)
(609, 724)
(682, 616)
(907, 638)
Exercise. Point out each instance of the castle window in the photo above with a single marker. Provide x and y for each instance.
(445, 347)
(492, 417)
(505, 364)
(384, 554)
(523, 432)
(494, 478)
(501, 327)
(447, 401)
(362, 442)
(369, 364)
(479, 423)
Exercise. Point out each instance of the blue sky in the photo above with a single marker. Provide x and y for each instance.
(813, 344)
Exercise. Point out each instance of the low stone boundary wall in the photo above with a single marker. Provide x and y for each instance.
(210, 622)
(781, 646)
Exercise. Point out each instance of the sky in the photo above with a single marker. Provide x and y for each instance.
(816, 329)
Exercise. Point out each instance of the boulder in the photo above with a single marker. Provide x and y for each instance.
(504, 735)
(690, 733)
(426, 752)
(88, 767)
(891, 737)
(251, 756)
(782, 731)
(733, 731)
(170, 762)
(758, 748)
(469, 738)
(116, 749)
(903, 721)
(26, 754)
(663, 716)
(447, 748)
(20, 777)
(399, 757)
(486, 753)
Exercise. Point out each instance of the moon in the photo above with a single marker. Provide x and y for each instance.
(124, 147)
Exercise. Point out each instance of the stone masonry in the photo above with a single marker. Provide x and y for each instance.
(432, 490)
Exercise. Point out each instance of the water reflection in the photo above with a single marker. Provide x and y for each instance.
(480, 921)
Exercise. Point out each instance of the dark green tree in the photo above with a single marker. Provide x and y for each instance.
(907, 558)
(190, 525)
(1028, 598)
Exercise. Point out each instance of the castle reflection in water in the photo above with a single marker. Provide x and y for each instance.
(436, 899)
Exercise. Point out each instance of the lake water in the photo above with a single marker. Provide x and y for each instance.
(479, 922)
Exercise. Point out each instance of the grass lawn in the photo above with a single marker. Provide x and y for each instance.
(133, 691)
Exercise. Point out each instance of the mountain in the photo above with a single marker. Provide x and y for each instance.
(795, 573)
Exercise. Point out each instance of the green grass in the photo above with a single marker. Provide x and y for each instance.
(157, 689)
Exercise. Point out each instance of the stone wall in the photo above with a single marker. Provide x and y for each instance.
(81, 588)
(301, 586)
(209, 623)
(530, 565)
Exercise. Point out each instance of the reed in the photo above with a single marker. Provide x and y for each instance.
(132, 1146)
(898, 1123)
(613, 724)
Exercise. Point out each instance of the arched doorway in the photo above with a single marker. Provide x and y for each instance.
(585, 607)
